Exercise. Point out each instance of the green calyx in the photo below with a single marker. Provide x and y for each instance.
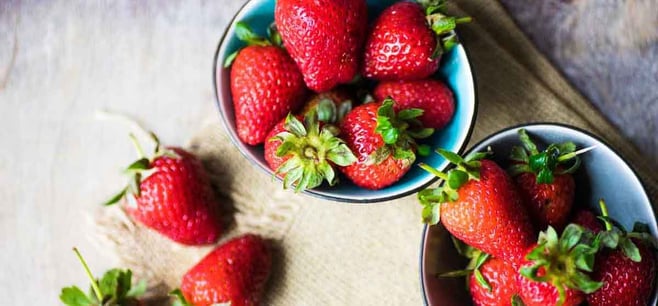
(113, 289)
(442, 25)
(399, 132)
(140, 169)
(544, 164)
(465, 169)
(312, 152)
(565, 261)
(244, 33)
(616, 237)
(328, 112)
(478, 258)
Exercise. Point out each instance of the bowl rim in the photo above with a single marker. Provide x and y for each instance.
(324, 196)
(426, 227)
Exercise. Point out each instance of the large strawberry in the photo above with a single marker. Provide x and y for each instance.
(304, 154)
(554, 272)
(170, 192)
(432, 96)
(407, 41)
(546, 187)
(479, 204)
(265, 86)
(324, 37)
(627, 267)
(234, 273)
(115, 288)
(383, 142)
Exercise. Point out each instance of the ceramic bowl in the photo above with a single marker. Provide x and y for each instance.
(455, 71)
(602, 175)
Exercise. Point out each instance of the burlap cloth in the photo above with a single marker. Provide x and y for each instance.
(340, 254)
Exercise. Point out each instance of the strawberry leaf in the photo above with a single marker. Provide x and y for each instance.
(73, 296)
(630, 250)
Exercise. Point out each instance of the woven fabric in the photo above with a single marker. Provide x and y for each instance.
(340, 254)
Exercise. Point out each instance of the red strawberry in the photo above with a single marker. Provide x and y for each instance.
(546, 187)
(325, 38)
(479, 204)
(553, 271)
(170, 192)
(432, 96)
(304, 154)
(265, 85)
(407, 41)
(235, 273)
(588, 220)
(627, 268)
(501, 279)
(383, 142)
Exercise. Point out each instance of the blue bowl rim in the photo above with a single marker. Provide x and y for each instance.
(563, 125)
(237, 143)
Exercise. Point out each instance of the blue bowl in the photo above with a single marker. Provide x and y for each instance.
(455, 71)
(602, 175)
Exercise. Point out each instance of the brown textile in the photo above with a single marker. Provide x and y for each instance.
(340, 254)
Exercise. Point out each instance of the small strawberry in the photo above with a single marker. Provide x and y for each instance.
(546, 187)
(432, 96)
(383, 141)
(170, 192)
(304, 154)
(113, 289)
(554, 272)
(500, 288)
(407, 41)
(331, 106)
(627, 268)
(265, 85)
(588, 220)
(234, 273)
(479, 204)
(325, 38)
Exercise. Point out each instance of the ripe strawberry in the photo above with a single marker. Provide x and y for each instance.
(407, 41)
(588, 220)
(235, 273)
(547, 188)
(304, 154)
(113, 289)
(171, 194)
(265, 86)
(331, 106)
(325, 38)
(500, 288)
(627, 268)
(554, 271)
(432, 96)
(383, 141)
(479, 204)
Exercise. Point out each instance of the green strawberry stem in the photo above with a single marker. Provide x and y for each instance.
(247, 35)
(604, 213)
(566, 261)
(138, 147)
(94, 283)
(545, 163)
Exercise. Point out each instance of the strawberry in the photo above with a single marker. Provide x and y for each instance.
(432, 96)
(554, 271)
(407, 41)
(547, 188)
(331, 106)
(479, 204)
(588, 220)
(500, 287)
(383, 141)
(235, 273)
(325, 38)
(627, 268)
(170, 193)
(113, 289)
(304, 154)
(265, 86)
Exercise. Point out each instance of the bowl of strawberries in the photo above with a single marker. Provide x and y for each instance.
(343, 99)
(538, 214)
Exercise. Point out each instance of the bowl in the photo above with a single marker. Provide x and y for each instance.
(602, 174)
(455, 71)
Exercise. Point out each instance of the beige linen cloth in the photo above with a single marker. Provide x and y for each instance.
(330, 253)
